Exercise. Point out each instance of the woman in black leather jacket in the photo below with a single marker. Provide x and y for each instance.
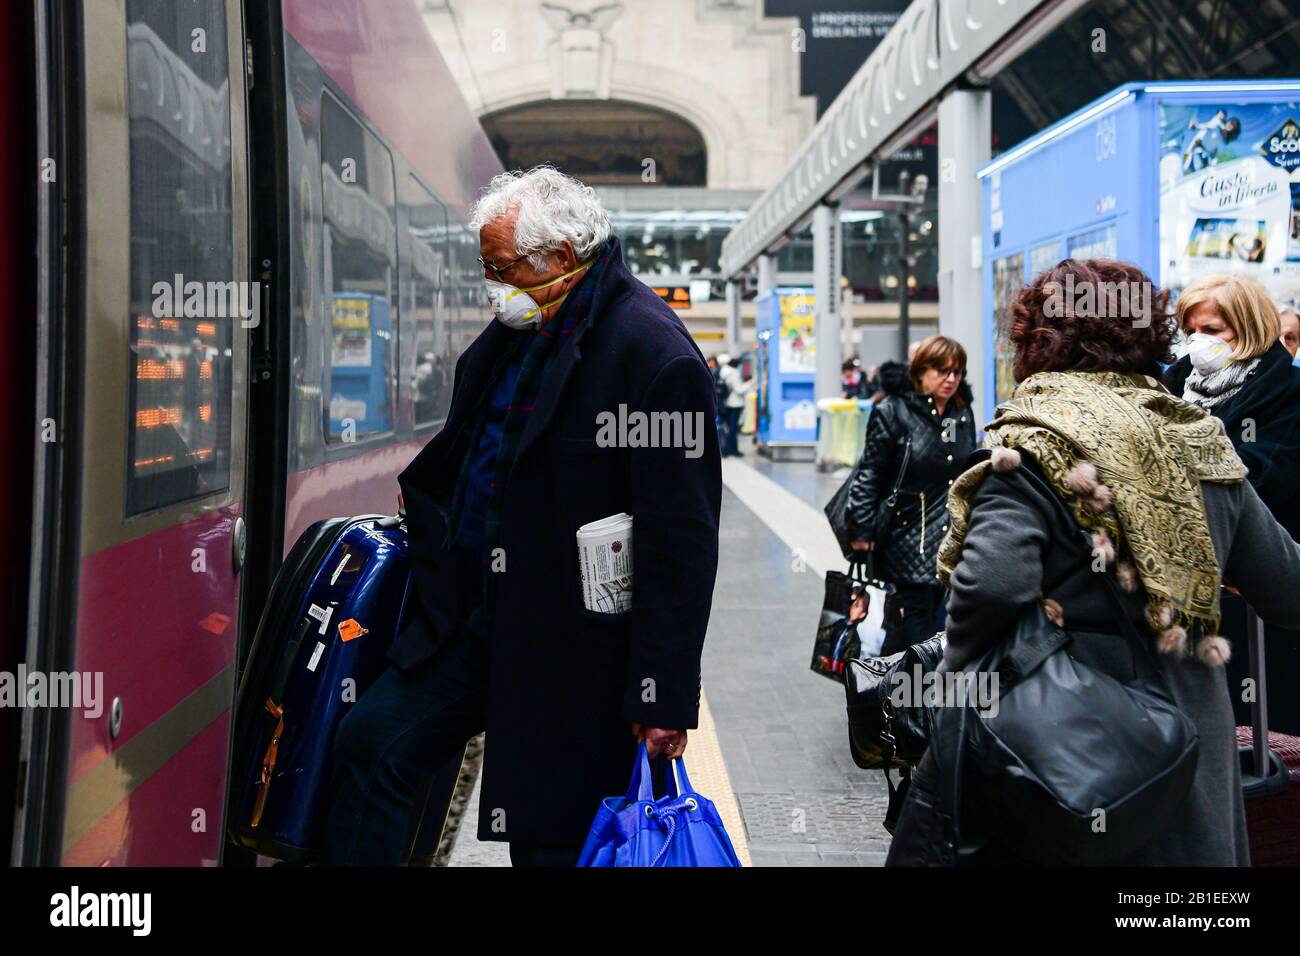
(926, 409)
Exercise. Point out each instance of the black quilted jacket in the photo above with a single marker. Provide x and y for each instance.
(940, 445)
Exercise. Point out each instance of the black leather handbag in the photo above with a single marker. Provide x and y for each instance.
(837, 511)
(889, 730)
(1072, 766)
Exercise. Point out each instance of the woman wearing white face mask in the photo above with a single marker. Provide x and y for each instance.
(1238, 371)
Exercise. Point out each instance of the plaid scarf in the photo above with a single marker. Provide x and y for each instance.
(539, 355)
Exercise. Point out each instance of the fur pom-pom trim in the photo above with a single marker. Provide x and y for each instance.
(1005, 459)
(1082, 478)
(1173, 640)
(1055, 613)
(1128, 576)
(1099, 500)
(1103, 546)
(1213, 651)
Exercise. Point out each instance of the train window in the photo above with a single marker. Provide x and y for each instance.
(361, 264)
(472, 311)
(435, 355)
(183, 300)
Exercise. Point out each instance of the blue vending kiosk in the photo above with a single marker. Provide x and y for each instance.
(360, 363)
(1183, 179)
(785, 374)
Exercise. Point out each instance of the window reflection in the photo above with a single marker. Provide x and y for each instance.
(360, 260)
(184, 301)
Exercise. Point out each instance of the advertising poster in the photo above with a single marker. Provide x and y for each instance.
(797, 352)
(351, 333)
(1230, 194)
(1008, 277)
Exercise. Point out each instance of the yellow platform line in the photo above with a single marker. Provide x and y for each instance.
(709, 777)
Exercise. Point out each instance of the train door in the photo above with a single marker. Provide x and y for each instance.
(160, 304)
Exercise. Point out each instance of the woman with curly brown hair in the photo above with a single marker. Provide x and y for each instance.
(1157, 483)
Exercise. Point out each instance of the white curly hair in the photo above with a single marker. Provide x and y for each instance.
(553, 209)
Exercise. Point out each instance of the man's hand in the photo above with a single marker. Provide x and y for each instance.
(658, 741)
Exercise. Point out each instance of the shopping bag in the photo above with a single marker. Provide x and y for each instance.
(638, 829)
(844, 607)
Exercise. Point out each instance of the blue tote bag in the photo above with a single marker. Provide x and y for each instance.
(636, 829)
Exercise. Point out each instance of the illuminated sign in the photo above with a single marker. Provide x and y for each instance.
(677, 296)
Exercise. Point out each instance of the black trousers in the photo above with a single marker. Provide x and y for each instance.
(731, 432)
(405, 727)
(913, 613)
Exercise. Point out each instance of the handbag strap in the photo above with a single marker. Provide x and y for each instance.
(1109, 585)
(902, 468)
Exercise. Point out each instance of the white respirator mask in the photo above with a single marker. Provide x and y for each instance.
(515, 308)
(1208, 353)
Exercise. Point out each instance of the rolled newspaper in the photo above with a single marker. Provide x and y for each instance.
(605, 564)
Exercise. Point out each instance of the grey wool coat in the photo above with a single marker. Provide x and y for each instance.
(1011, 549)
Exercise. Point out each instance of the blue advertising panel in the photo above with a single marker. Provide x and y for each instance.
(787, 365)
(360, 364)
(1182, 179)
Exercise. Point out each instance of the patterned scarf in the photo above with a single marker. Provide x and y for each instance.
(538, 357)
(1209, 390)
(1150, 449)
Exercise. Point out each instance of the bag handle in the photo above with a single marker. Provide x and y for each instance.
(676, 773)
(898, 479)
(641, 787)
(1045, 490)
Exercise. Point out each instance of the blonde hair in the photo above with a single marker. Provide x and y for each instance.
(1243, 304)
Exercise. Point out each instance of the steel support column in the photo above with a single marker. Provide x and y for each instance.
(766, 273)
(827, 333)
(965, 141)
(733, 317)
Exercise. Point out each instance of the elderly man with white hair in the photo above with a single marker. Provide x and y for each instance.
(500, 638)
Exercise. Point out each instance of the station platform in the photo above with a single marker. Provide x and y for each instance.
(771, 750)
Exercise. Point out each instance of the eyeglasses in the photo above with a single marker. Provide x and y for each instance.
(955, 373)
(497, 270)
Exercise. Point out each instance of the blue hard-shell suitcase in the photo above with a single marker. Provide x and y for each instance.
(335, 608)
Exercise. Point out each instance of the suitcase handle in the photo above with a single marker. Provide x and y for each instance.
(1266, 773)
(1259, 707)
